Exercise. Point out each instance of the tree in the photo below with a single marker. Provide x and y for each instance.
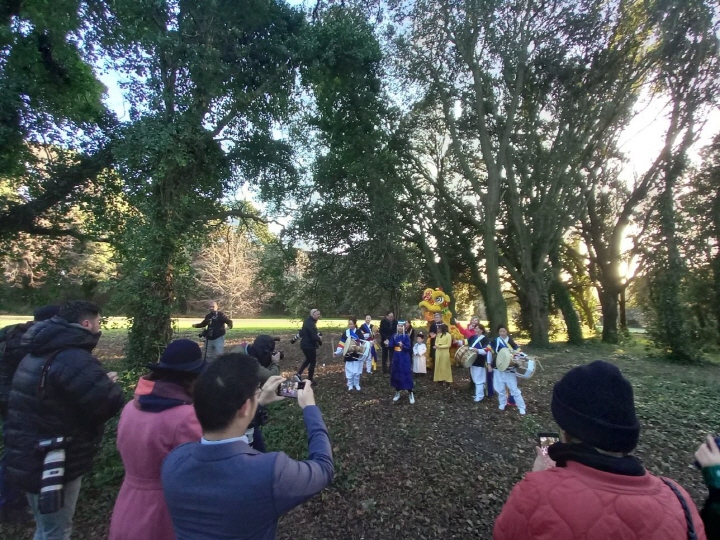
(227, 269)
(215, 77)
(690, 51)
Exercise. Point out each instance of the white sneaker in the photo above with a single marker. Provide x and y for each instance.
(477, 399)
(357, 387)
(397, 396)
(350, 388)
(522, 413)
(502, 408)
(412, 398)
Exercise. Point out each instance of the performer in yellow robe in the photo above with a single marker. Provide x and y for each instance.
(442, 343)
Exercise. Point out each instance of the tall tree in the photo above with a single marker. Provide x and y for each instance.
(208, 81)
(691, 54)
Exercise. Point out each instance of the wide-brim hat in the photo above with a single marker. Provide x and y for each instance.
(504, 357)
(182, 355)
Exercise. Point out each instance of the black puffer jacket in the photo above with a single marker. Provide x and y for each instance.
(15, 351)
(77, 400)
(309, 334)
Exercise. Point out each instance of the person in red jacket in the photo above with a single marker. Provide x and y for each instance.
(596, 490)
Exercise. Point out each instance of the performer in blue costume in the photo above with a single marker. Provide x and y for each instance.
(401, 376)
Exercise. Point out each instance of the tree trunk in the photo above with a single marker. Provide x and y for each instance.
(151, 329)
(623, 311)
(572, 320)
(609, 305)
(538, 313)
(494, 301)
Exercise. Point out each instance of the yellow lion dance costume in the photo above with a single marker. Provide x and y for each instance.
(436, 301)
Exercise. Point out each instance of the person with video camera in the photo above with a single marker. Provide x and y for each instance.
(263, 350)
(310, 340)
(214, 333)
(591, 486)
(220, 487)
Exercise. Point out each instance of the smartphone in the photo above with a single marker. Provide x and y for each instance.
(545, 439)
(717, 442)
(289, 389)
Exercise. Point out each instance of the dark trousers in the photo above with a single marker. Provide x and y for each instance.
(13, 503)
(387, 353)
(310, 359)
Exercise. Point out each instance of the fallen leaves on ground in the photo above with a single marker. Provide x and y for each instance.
(443, 467)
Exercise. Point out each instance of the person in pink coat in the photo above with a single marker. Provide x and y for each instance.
(159, 418)
(589, 485)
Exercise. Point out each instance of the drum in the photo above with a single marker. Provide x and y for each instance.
(465, 356)
(504, 359)
(526, 368)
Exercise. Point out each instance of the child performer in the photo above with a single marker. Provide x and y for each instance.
(419, 352)
(401, 377)
(506, 380)
(478, 371)
(442, 343)
(367, 329)
(353, 360)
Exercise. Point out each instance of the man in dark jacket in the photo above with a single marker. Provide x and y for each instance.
(13, 504)
(388, 328)
(14, 351)
(214, 334)
(310, 340)
(59, 402)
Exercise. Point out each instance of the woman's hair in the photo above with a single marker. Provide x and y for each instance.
(443, 328)
(353, 319)
(184, 379)
(500, 327)
(482, 328)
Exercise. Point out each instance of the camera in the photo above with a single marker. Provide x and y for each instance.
(206, 334)
(282, 354)
(294, 339)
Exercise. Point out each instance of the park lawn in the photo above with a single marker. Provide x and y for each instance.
(443, 467)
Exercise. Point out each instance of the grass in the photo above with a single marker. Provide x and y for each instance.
(441, 468)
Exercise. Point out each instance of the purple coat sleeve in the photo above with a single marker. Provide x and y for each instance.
(294, 482)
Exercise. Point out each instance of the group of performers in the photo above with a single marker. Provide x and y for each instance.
(408, 355)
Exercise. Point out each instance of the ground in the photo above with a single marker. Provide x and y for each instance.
(443, 467)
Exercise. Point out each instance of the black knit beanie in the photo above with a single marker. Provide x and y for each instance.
(594, 403)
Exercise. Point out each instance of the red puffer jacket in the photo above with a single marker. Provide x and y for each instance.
(577, 502)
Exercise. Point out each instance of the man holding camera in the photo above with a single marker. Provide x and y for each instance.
(214, 333)
(310, 340)
(220, 487)
(60, 399)
(263, 350)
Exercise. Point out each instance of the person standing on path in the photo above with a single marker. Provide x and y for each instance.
(214, 333)
(310, 341)
(388, 327)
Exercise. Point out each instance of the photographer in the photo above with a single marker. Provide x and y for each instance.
(310, 340)
(214, 333)
(263, 350)
(220, 487)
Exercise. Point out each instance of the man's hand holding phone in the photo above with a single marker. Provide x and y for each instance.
(306, 396)
(269, 391)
